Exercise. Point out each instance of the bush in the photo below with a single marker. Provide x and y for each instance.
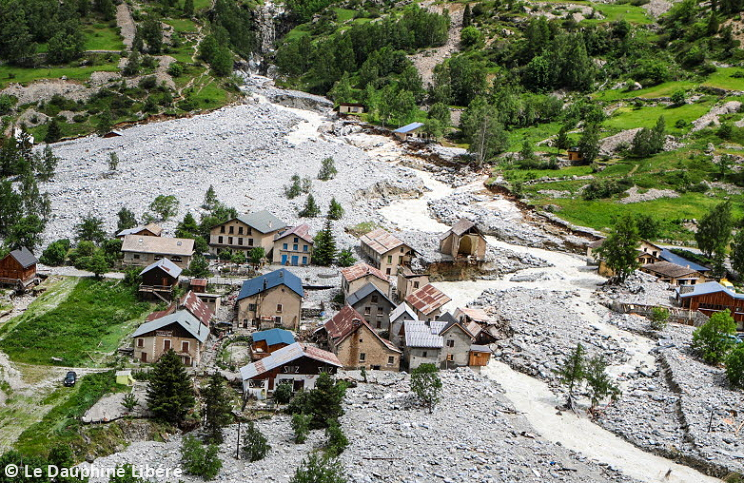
(56, 253)
(149, 82)
(714, 339)
(256, 446)
(283, 393)
(301, 427)
(200, 460)
(175, 69)
(327, 170)
(319, 470)
(337, 440)
(659, 318)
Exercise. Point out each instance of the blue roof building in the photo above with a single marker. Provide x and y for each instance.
(274, 337)
(673, 258)
(271, 301)
(270, 280)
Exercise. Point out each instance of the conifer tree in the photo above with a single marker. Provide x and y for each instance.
(54, 132)
(217, 411)
(170, 394)
(572, 371)
(335, 210)
(311, 209)
(126, 219)
(210, 199)
(324, 251)
(256, 445)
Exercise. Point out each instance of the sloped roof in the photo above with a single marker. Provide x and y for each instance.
(346, 322)
(270, 280)
(474, 328)
(263, 221)
(381, 241)
(197, 307)
(360, 270)
(409, 127)
(274, 336)
(403, 309)
(427, 299)
(476, 314)
(674, 258)
(165, 265)
(24, 257)
(158, 245)
(418, 334)
(183, 318)
(480, 348)
(363, 292)
(668, 269)
(301, 231)
(285, 355)
(462, 226)
(454, 323)
(708, 288)
(153, 228)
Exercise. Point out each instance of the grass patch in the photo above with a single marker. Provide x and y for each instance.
(615, 13)
(182, 25)
(344, 14)
(62, 425)
(22, 75)
(629, 118)
(665, 89)
(722, 79)
(83, 328)
(102, 37)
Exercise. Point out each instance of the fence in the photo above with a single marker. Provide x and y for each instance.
(677, 315)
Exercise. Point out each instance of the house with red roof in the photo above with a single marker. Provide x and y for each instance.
(293, 246)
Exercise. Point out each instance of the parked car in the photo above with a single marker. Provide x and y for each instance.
(70, 379)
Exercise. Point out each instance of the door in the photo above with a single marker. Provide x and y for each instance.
(284, 259)
(295, 260)
(144, 357)
(298, 385)
(304, 260)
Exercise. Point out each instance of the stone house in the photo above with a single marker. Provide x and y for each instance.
(374, 305)
(398, 318)
(422, 344)
(180, 331)
(350, 108)
(674, 274)
(386, 252)
(245, 233)
(411, 132)
(141, 251)
(189, 302)
(293, 246)
(427, 302)
(356, 344)
(357, 276)
(456, 342)
(18, 269)
(151, 229)
(463, 240)
(158, 280)
(296, 364)
(271, 300)
(408, 282)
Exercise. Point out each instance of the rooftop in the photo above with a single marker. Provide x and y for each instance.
(427, 299)
(346, 322)
(263, 221)
(165, 265)
(674, 258)
(183, 318)
(158, 245)
(364, 292)
(285, 355)
(300, 231)
(270, 280)
(274, 336)
(360, 270)
(403, 310)
(410, 127)
(668, 269)
(381, 241)
(153, 228)
(24, 257)
(418, 334)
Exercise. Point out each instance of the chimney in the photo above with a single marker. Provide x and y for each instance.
(265, 283)
(281, 273)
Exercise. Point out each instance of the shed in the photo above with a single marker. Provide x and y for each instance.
(411, 132)
(124, 378)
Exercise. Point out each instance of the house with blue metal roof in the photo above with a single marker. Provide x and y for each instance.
(411, 131)
(711, 297)
(267, 341)
(273, 300)
(674, 258)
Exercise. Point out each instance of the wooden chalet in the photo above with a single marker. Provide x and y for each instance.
(151, 229)
(479, 355)
(297, 364)
(18, 269)
(159, 279)
(711, 297)
(269, 341)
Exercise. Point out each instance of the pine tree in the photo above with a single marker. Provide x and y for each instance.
(324, 251)
(210, 199)
(466, 20)
(188, 8)
(256, 256)
(113, 161)
(589, 144)
(325, 401)
(714, 339)
(170, 394)
(133, 64)
(426, 385)
(600, 384)
(327, 169)
(256, 445)
(345, 258)
(188, 227)
(317, 469)
(217, 411)
(619, 250)
(335, 210)
(572, 371)
(199, 266)
(563, 141)
(737, 253)
(311, 209)
(54, 132)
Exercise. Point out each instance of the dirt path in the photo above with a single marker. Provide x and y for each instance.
(428, 59)
(125, 22)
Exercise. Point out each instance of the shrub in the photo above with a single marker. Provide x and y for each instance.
(327, 170)
(200, 460)
(256, 446)
(55, 254)
(175, 69)
(714, 339)
(301, 427)
(130, 402)
(337, 440)
(659, 318)
(283, 393)
(319, 470)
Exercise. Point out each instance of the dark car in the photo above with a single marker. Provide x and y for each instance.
(70, 379)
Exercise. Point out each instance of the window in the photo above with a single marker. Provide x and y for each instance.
(222, 229)
(219, 240)
(391, 360)
(184, 346)
(250, 242)
(424, 353)
(232, 230)
(362, 357)
(229, 240)
(140, 342)
(400, 260)
(380, 311)
(279, 308)
(387, 271)
(251, 307)
(401, 249)
(166, 345)
(294, 247)
(379, 324)
(284, 246)
(295, 240)
(278, 320)
(451, 343)
(305, 248)
(240, 240)
(240, 230)
(415, 285)
(375, 299)
(136, 257)
(367, 310)
(304, 260)
(176, 259)
(450, 357)
(390, 259)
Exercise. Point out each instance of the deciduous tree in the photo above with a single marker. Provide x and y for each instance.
(426, 385)
(618, 251)
(714, 339)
